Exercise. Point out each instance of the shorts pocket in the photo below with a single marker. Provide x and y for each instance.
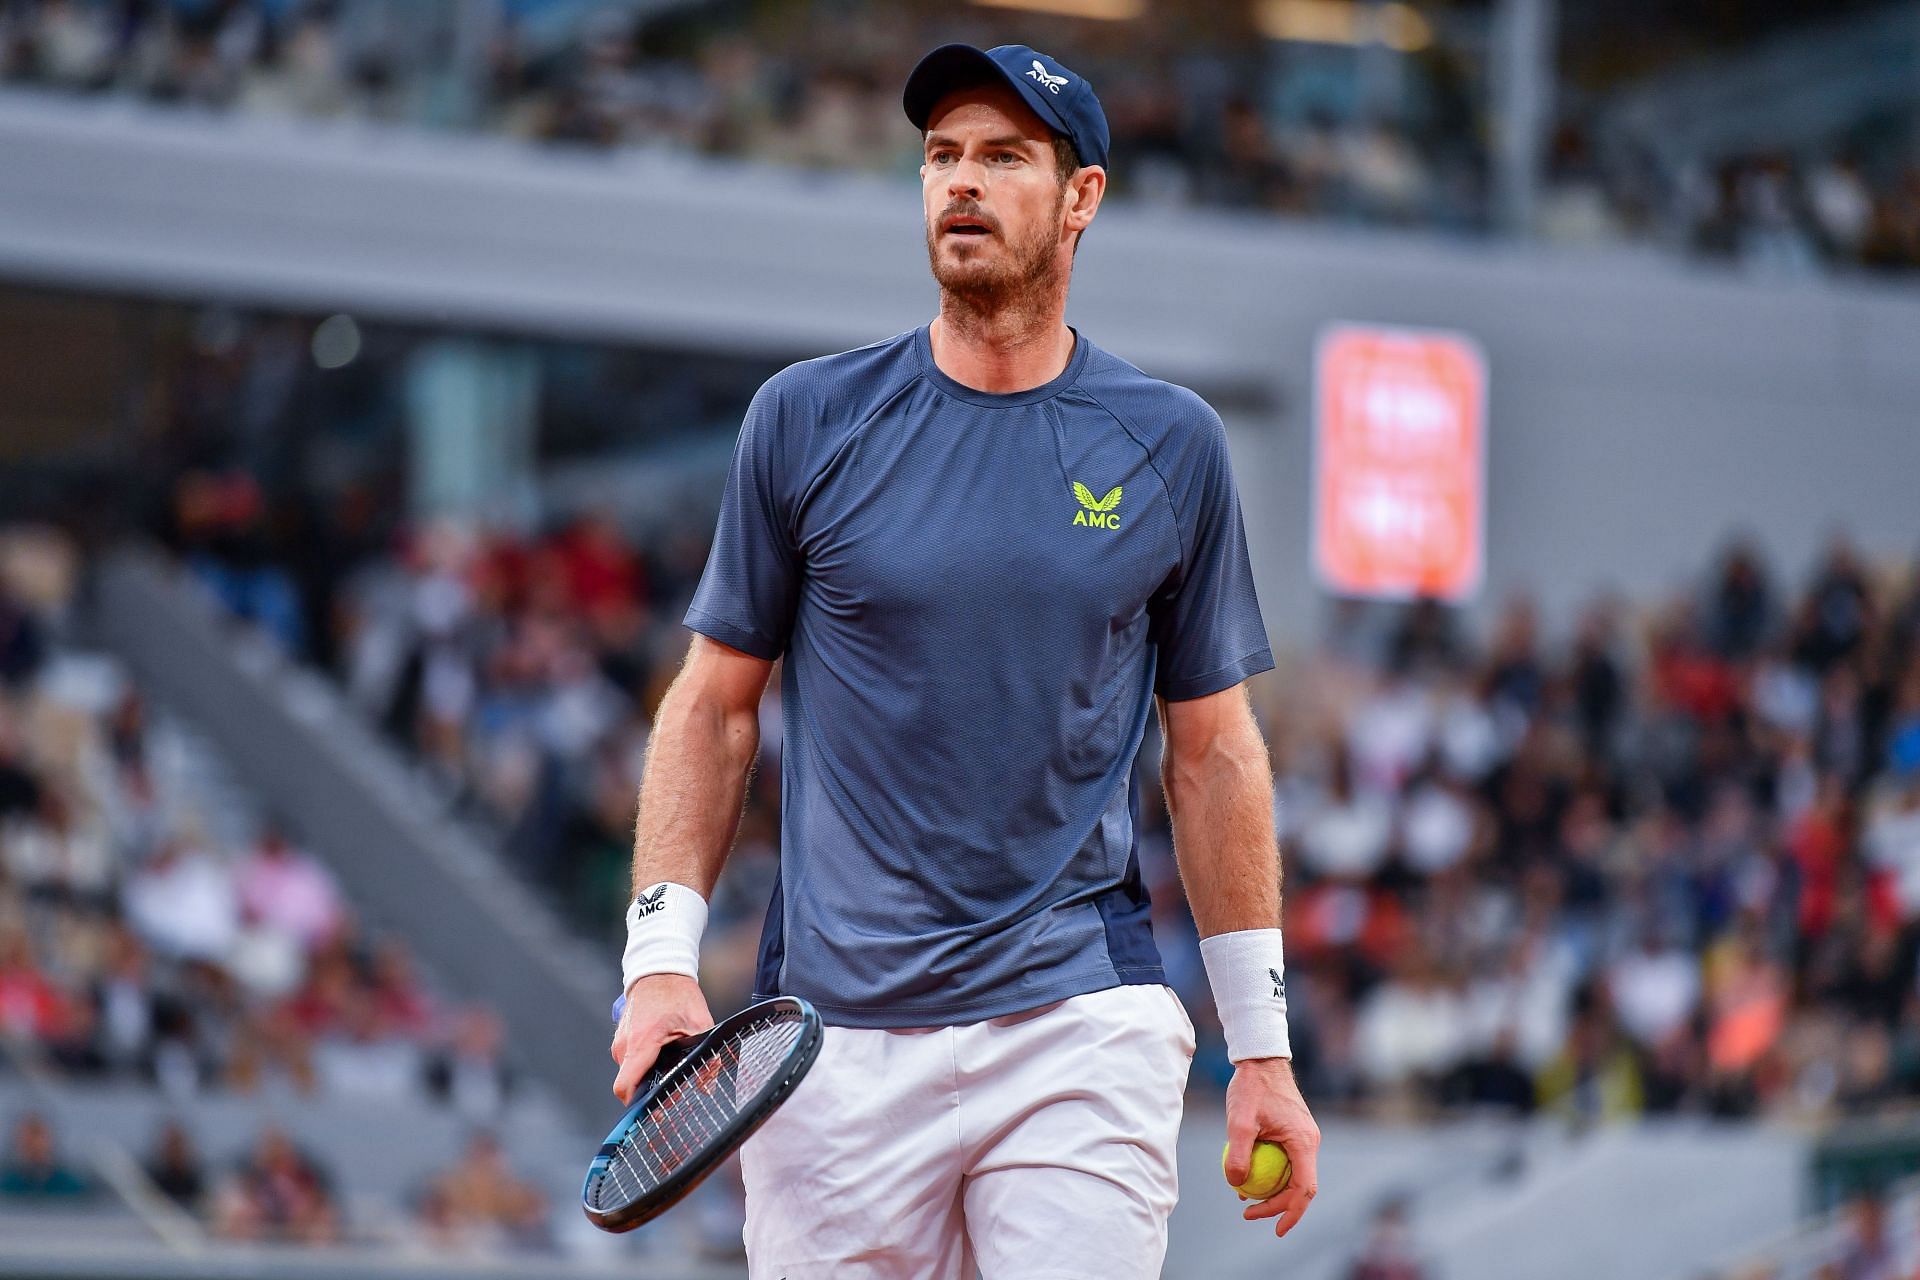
(1189, 1039)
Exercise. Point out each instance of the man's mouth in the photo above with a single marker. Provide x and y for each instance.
(966, 227)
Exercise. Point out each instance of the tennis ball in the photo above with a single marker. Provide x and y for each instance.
(1267, 1173)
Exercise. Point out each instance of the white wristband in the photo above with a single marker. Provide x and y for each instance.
(664, 925)
(1248, 975)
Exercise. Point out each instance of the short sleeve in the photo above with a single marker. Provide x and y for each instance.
(1206, 622)
(746, 595)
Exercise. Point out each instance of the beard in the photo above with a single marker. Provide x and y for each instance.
(991, 284)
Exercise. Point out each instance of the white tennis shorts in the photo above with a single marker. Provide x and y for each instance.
(1035, 1145)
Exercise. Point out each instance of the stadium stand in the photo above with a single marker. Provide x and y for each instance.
(1222, 124)
(150, 937)
(1483, 1187)
(1671, 867)
(187, 998)
(1603, 909)
(1653, 873)
(1870, 1235)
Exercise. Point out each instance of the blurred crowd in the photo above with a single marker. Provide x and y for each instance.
(138, 945)
(1771, 211)
(1203, 111)
(519, 670)
(1871, 1247)
(1674, 866)
(32, 1166)
(1671, 864)
(1787, 215)
(814, 86)
(276, 1191)
(1873, 1235)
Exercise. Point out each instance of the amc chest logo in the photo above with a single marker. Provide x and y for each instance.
(1100, 513)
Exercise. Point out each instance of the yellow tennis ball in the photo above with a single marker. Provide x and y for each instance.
(1265, 1175)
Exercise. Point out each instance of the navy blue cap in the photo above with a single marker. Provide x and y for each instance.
(1058, 96)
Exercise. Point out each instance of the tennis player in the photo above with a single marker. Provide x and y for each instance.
(985, 549)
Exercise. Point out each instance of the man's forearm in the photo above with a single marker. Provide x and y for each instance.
(1220, 799)
(698, 761)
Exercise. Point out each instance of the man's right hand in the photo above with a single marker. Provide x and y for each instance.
(660, 1007)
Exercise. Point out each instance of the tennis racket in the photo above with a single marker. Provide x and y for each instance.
(702, 1099)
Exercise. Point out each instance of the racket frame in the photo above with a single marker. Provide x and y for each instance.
(665, 1074)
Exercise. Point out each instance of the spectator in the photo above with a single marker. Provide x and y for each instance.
(325, 1002)
(1388, 1253)
(184, 905)
(1867, 1253)
(1655, 988)
(601, 569)
(33, 1168)
(286, 890)
(398, 1001)
(31, 1006)
(369, 1039)
(1348, 834)
(19, 784)
(276, 1194)
(23, 646)
(125, 996)
(1740, 610)
(468, 1073)
(1412, 1027)
(441, 1231)
(74, 1048)
(221, 524)
(59, 854)
(1892, 840)
(174, 1167)
(1596, 1078)
(481, 1200)
(1842, 205)
(1437, 825)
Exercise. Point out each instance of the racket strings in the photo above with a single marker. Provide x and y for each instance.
(708, 1093)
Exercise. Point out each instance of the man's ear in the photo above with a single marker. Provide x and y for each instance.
(1084, 190)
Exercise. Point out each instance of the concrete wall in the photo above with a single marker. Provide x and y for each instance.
(1633, 424)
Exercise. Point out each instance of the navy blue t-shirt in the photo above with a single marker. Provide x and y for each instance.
(977, 597)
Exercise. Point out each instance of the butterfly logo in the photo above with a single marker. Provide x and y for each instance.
(1051, 83)
(648, 903)
(1097, 512)
(1279, 984)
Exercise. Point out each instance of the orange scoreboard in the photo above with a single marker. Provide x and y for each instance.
(1399, 486)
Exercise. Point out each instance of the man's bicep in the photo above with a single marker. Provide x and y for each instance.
(1193, 727)
(747, 594)
(724, 676)
(1206, 622)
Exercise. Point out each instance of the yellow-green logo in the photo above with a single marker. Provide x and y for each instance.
(1098, 512)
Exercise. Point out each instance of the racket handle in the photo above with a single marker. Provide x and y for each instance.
(670, 1052)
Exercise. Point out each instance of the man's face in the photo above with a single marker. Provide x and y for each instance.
(993, 199)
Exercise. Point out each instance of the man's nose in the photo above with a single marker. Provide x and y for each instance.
(964, 179)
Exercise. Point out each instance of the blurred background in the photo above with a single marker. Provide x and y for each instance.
(368, 373)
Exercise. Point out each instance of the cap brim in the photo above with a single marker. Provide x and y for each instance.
(959, 66)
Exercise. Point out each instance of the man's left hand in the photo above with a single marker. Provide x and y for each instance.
(1263, 1101)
